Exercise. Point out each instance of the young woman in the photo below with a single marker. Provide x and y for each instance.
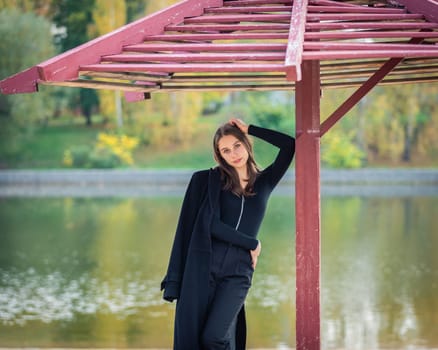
(215, 250)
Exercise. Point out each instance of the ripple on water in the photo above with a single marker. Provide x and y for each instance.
(26, 296)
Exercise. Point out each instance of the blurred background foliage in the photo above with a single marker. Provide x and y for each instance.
(392, 126)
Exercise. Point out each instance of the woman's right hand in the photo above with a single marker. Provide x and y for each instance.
(240, 124)
(255, 254)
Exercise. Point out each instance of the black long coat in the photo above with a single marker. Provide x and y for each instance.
(187, 278)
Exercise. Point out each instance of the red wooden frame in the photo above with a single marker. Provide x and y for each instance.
(65, 66)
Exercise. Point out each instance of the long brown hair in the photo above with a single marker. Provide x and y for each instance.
(229, 176)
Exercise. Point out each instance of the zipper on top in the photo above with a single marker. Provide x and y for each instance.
(241, 212)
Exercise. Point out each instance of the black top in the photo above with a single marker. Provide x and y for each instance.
(240, 217)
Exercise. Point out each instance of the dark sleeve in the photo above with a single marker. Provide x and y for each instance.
(189, 209)
(284, 142)
(226, 233)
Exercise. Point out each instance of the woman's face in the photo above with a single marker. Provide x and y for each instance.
(233, 151)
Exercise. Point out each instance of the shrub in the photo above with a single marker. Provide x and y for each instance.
(339, 151)
(110, 151)
(77, 156)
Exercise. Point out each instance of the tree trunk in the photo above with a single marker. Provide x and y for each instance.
(119, 112)
(408, 129)
(87, 116)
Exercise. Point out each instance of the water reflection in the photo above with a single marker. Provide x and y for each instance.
(27, 296)
(84, 272)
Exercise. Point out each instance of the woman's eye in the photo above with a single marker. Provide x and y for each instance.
(227, 151)
(237, 145)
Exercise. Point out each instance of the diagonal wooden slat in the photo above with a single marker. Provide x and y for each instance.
(371, 25)
(208, 37)
(257, 2)
(239, 18)
(332, 3)
(353, 9)
(208, 47)
(324, 45)
(370, 35)
(361, 17)
(189, 67)
(90, 84)
(362, 54)
(196, 57)
(128, 76)
(228, 27)
(332, 35)
(248, 9)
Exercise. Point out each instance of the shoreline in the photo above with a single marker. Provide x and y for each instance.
(172, 182)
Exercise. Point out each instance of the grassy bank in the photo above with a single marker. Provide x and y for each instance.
(44, 149)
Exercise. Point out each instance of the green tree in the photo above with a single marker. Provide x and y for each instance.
(39, 7)
(157, 5)
(340, 151)
(24, 43)
(73, 19)
(274, 109)
(392, 123)
(108, 15)
(135, 9)
(400, 119)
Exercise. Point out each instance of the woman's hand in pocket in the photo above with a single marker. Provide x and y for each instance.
(255, 254)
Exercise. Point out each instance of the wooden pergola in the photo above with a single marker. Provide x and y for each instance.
(249, 45)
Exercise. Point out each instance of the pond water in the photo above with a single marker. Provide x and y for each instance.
(85, 272)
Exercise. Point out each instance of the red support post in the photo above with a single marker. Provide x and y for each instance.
(307, 208)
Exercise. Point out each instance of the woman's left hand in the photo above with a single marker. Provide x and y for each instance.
(255, 254)
(240, 124)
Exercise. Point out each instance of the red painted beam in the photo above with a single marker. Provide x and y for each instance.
(24, 82)
(371, 25)
(195, 57)
(133, 96)
(429, 8)
(65, 66)
(353, 9)
(308, 208)
(361, 17)
(222, 36)
(238, 18)
(310, 16)
(328, 45)
(307, 36)
(369, 35)
(256, 2)
(188, 67)
(205, 47)
(136, 96)
(332, 3)
(359, 54)
(295, 40)
(249, 9)
(227, 27)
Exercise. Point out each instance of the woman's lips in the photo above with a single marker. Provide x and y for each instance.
(237, 161)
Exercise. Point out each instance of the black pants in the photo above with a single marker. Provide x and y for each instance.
(230, 280)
